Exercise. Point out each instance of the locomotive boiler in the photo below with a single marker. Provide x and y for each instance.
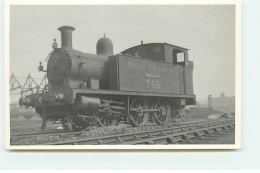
(148, 82)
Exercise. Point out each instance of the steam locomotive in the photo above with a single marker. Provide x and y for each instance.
(148, 82)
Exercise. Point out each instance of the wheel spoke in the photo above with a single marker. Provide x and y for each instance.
(102, 118)
(163, 118)
(134, 109)
(139, 120)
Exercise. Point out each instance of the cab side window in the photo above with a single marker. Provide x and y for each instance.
(178, 57)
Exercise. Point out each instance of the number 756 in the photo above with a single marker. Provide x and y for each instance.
(154, 84)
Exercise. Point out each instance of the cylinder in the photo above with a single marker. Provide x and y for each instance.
(90, 104)
(66, 36)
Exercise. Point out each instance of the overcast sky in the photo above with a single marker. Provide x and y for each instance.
(208, 31)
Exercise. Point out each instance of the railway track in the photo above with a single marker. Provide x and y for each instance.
(70, 132)
(161, 136)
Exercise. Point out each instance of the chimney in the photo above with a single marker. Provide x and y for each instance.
(66, 36)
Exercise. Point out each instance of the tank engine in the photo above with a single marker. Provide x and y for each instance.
(148, 82)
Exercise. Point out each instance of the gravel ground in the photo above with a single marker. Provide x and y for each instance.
(102, 131)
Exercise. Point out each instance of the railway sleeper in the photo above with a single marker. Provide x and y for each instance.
(173, 140)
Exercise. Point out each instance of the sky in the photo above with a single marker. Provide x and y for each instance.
(207, 30)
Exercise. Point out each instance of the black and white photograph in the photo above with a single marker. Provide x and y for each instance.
(122, 76)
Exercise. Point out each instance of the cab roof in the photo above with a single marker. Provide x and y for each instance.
(147, 44)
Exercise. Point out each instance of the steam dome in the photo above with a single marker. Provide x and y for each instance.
(105, 46)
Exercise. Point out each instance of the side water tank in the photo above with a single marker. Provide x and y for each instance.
(105, 46)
